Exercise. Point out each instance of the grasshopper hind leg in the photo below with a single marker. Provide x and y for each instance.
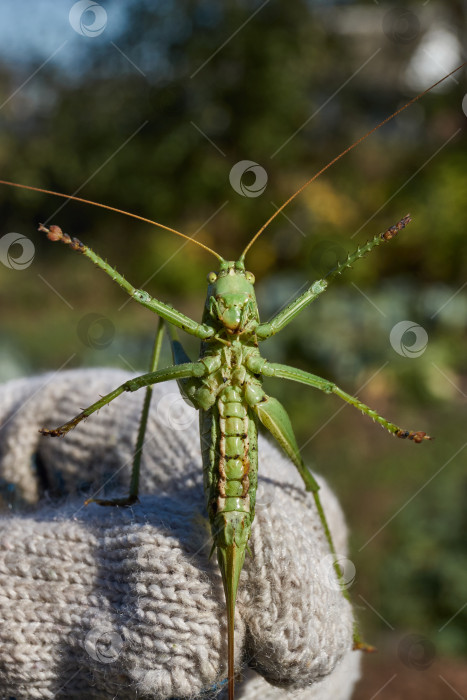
(274, 417)
(132, 497)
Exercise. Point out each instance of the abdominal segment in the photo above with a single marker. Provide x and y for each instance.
(230, 466)
(234, 461)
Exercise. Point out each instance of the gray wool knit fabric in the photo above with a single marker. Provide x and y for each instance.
(126, 602)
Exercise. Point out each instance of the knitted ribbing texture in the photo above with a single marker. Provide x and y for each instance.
(126, 602)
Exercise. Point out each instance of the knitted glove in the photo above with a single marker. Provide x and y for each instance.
(126, 602)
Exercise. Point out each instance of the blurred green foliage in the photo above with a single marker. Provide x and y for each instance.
(210, 89)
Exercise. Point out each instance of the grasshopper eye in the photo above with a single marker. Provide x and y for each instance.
(249, 276)
(212, 277)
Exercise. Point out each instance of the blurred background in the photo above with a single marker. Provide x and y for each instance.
(148, 107)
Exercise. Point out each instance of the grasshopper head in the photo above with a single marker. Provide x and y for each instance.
(231, 297)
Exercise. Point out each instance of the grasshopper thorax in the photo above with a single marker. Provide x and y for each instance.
(231, 301)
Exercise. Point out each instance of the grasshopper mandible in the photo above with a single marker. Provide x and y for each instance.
(225, 385)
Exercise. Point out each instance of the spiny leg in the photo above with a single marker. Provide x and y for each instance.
(135, 469)
(191, 369)
(275, 418)
(55, 233)
(266, 330)
(272, 369)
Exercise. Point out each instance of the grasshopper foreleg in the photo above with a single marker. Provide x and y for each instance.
(266, 330)
(55, 233)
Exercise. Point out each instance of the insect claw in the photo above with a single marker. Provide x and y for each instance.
(394, 230)
(51, 433)
(420, 436)
(55, 233)
(363, 646)
(416, 436)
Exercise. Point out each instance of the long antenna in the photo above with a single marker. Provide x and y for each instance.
(119, 211)
(349, 148)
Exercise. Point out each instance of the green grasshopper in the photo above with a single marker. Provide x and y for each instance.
(225, 385)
